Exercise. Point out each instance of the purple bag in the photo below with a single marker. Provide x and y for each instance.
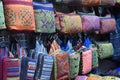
(81, 78)
(90, 23)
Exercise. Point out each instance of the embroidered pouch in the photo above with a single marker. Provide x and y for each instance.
(94, 56)
(105, 50)
(74, 60)
(107, 25)
(61, 66)
(90, 23)
(19, 15)
(44, 17)
(70, 23)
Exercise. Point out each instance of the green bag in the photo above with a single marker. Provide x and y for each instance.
(105, 50)
(2, 18)
(94, 56)
(74, 60)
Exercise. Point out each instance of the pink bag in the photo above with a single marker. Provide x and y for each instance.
(90, 23)
(86, 61)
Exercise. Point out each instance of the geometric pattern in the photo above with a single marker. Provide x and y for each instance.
(25, 17)
(10, 16)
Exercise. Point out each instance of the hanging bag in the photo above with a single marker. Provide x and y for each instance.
(69, 23)
(2, 18)
(107, 25)
(108, 2)
(11, 68)
(105, 49)
(44, 17)
(19, 15)
(44, 63)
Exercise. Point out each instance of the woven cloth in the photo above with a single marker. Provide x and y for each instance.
(19, 15)
(45, 18)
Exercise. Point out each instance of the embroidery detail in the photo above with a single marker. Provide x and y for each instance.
(25, 17)
(10, 16)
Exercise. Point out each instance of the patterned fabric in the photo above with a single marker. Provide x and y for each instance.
(11, 67)
(90, 2)
(2, 19)
(94, 56)
(74, 64)
(61, 66)
(70, 23)
(81, 78)
(19, 15)
(31, 69)
(44, 68)
(105, 50)
(86, 61)
(110, 78)
(45, 18)
(114, 39)
(94, 78)
(88, 25)
(54, 46)
(107, 25)
(108, 2)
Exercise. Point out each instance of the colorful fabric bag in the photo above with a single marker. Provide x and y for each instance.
(107, 25)
(44, 63)
(2, 18)
(61, 66)
(105, 49)
(108, 2)
(94, 56)
(45, 18)
(69, 23)
(88, 25)
(81, 78)
(86, 61)
(19, 15)
(31, 67)
(11, 68)
(74, 60)
(110, 78)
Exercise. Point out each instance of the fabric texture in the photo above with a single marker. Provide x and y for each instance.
(90, 2)
(11, 67)
(105, 50)
(110, 78)
(44, 17)
(94, 56)
(31, 67)
(108, 2)
(19, 15)
(70, 23)
(90, 23)
(94, 78)
(61, 66)
(86, 61)
(74, 60)
(81, 78)
(114, 39)
(2, 17)
(107, 25)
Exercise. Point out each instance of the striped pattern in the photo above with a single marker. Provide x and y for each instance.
(31, 69)
(11, 68)
(44, 68)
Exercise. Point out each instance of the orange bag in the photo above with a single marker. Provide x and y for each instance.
(19, 15)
